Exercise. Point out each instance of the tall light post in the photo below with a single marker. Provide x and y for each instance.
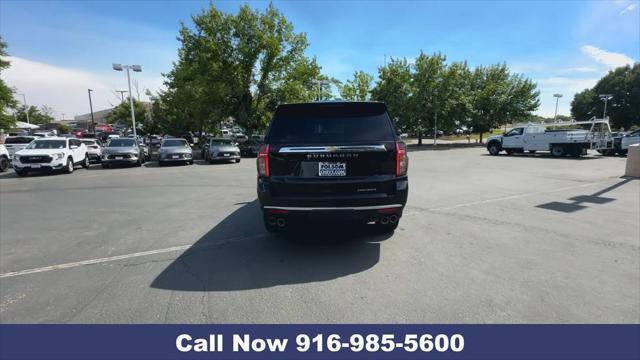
(26, 109)
(93, 124)
(320, 84)
(605, 98)
(136, 68)
(121, 94)
(435, 122)
(555, 115)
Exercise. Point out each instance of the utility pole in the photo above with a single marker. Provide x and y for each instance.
(93, 124)
(26, 109)
(121, 94)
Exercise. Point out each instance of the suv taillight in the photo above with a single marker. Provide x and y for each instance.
(263, 160)
(402, 159)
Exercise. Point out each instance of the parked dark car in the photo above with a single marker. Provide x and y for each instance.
(250, 148)
(330, 160)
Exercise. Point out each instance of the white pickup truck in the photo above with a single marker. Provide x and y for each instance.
(536, 137)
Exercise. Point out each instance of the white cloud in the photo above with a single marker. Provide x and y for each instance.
(628, 9)
(582, 69)
(65, 89)
(611, 59)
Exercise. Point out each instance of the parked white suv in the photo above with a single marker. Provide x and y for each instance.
(4, 159)
(51, 153)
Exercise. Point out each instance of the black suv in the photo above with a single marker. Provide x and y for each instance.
(332, 160)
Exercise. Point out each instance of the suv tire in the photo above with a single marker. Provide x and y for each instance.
(86, 163)
(4, 164)
(68, 169)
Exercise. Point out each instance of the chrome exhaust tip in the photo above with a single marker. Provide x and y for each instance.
(393, 219)
(384, 220)
(271, 220)
(281, 222)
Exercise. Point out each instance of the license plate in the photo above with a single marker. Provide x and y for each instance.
(226, 154)
(175, 156)
(332, 169)
(119, 158)
(35, 166)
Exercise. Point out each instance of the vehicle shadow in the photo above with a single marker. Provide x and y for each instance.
(577, 202)
(546, 156)
(238, 254)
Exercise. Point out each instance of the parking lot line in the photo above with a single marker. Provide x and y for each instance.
(114, 258)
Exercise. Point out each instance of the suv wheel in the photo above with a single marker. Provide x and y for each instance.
(85, 163)
(69, 168)
(238, 160)
(4, 164)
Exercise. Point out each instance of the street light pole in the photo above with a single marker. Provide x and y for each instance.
(435, 123)
(26, 109)
(136, 68)
(605, 97)
(93, 124)
(555, 116)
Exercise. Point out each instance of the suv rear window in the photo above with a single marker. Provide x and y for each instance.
(331, 123)
(18, 140)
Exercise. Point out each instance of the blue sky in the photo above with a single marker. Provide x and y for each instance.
(59, 49)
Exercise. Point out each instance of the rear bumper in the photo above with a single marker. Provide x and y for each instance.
(344, 204)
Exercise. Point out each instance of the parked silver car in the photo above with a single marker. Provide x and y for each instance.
(121, 151)
(175, 150)
(217, 149)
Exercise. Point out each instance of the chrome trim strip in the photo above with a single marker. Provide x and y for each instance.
(293, 208)
(329, 149)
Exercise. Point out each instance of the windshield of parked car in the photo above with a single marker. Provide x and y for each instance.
(48, 144)
(18, 140)
(221, 142)
(175, 143)
(121, 142)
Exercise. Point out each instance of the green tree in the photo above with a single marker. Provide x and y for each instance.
(623, 109)
(122, 114)
(7, 101)
(395, 89)
(358, 88)
(41, 116)
(240, 65)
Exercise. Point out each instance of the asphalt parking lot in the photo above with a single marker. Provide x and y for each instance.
(508, 239)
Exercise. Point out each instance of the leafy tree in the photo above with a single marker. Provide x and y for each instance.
(358, 88)
(240, 65)
(484, 98)
(394, 87)
(7, 101)
(122, 114)
(41, 116)
(623, 109)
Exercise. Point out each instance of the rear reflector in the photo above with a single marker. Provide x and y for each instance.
(387, 210)
(277, 211)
